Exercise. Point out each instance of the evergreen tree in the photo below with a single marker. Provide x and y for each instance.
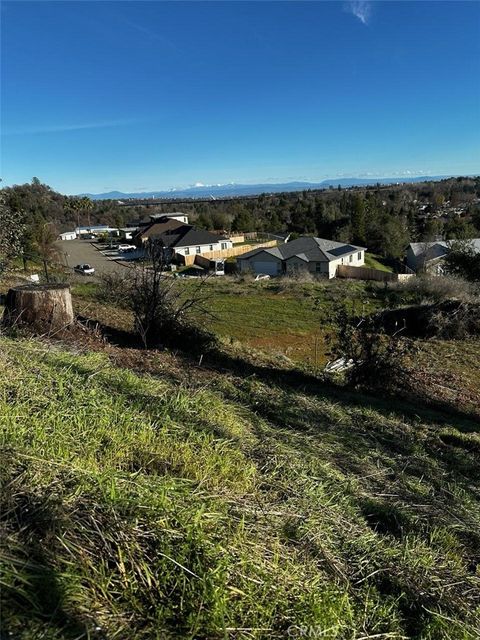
(358, 221)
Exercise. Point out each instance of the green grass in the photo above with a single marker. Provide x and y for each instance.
(286, 317)
(181, 505)
(375, 262)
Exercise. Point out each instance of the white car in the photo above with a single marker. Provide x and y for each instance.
(84, 269)
(126, 247)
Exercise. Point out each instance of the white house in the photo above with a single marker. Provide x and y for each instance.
(315, 255)
(67, 235)
(187, 241)
(181, 240)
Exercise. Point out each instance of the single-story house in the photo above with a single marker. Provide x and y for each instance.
(429, 256)
(316, 255)
(185, 240)
(67, 235)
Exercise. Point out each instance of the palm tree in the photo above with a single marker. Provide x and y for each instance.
(79, 205)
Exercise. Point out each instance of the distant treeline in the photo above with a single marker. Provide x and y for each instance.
(383, 218)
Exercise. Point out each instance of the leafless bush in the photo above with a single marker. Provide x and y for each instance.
(425, 288)
(376, 359)
(116, 287)
(455, 321)
(243, 277)
(165, 310)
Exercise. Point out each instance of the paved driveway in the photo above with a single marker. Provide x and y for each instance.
(82, 252)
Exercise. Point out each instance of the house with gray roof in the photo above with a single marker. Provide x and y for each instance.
(429, 256)
(182, 240)
(318, 256)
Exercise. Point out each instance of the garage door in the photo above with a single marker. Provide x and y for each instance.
(270, 268)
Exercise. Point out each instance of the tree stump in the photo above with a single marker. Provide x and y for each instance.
(44, 308)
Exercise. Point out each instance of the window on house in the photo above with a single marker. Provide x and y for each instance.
(224, 245)
(187, 251)
(211, 247)
(198, 250)
(318, 267)
(359, 255)
(351, 258)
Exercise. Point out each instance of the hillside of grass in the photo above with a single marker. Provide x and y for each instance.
(193, 502)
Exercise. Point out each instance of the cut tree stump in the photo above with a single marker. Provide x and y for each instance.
(44, 308)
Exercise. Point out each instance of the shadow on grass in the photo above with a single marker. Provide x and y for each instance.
(297, 380)
(438, 413)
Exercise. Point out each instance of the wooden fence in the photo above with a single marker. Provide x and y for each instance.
(225, 253)
(366, 273)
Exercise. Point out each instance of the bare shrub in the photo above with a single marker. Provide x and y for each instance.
(426, 288)
(116, 288)
(455, 321)
(375, 358)
(165, 310)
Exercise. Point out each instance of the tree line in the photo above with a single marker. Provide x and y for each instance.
(383, 218)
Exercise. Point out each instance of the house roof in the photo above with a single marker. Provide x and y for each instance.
(185, 235)
(308, 249)
(439, 248)
(157, 228)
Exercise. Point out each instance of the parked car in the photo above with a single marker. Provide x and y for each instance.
(125, 248)
(84, 269)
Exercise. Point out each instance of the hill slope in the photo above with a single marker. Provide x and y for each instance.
(196, 505)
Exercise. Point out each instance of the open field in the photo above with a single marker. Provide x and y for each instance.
(285, 317)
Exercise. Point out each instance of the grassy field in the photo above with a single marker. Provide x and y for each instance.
(284, 317)
(190, 503)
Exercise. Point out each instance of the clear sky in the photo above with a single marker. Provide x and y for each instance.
(150, 95)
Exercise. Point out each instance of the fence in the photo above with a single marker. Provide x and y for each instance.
(366, 273)
(225, 253)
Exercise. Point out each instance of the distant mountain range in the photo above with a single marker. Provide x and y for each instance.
(235, 190)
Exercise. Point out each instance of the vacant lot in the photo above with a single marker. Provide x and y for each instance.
(283, 317)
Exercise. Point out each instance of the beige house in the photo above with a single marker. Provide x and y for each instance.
(318, 256)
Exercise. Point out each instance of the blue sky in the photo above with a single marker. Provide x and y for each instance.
(150, 95)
